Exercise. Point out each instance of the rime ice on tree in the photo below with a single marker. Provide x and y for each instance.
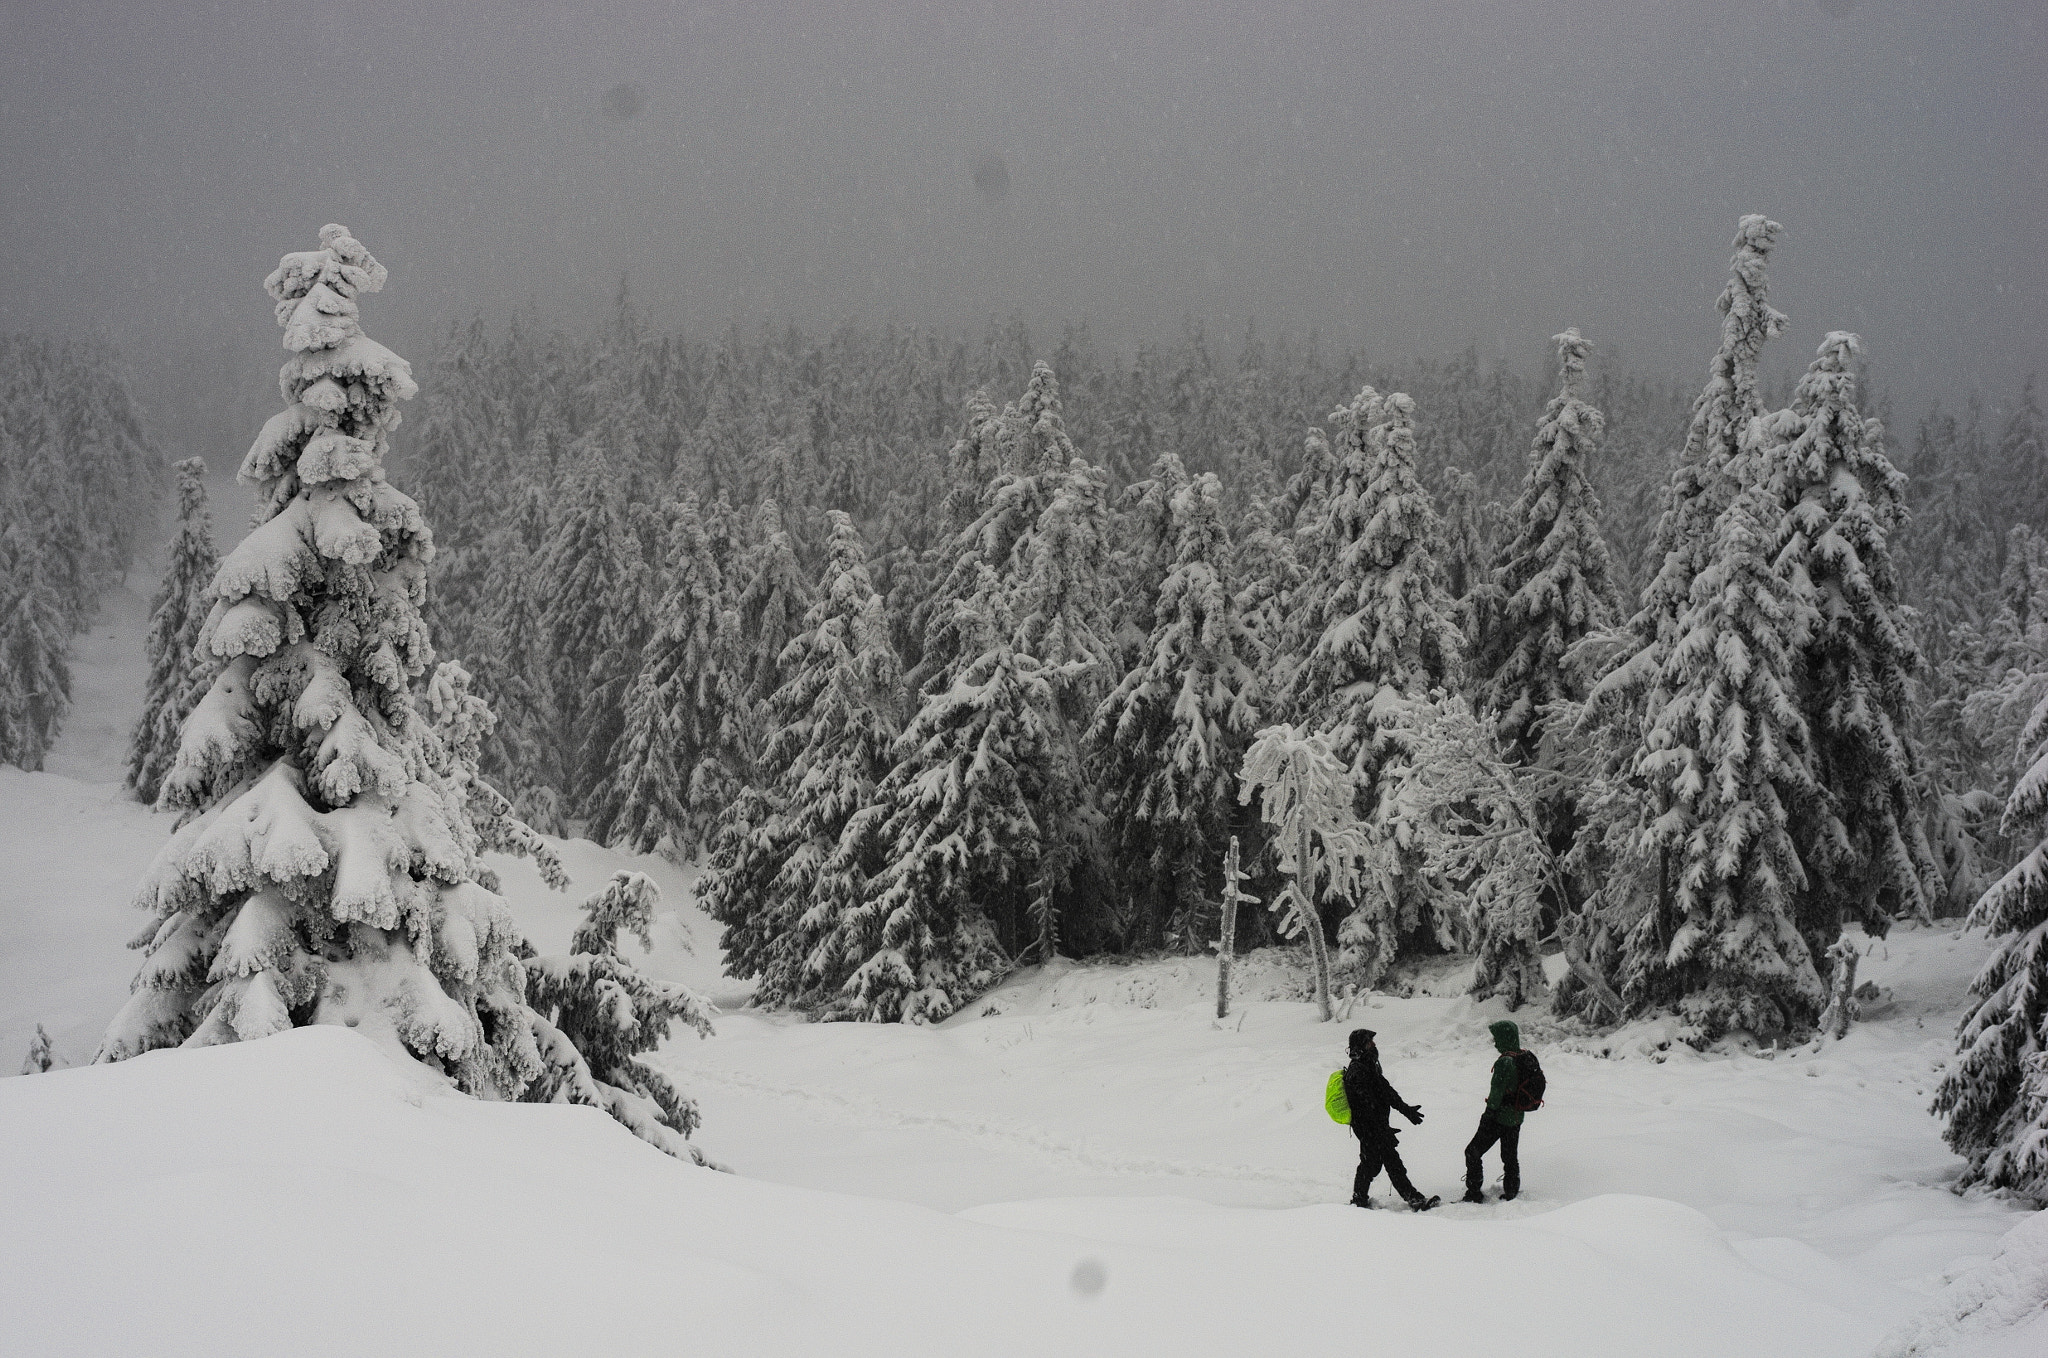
(326, 872)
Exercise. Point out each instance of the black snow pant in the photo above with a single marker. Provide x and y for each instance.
(1377, 1148)
(1510, 1139)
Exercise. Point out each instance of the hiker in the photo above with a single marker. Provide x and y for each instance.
(1372, 1099)
(1501, 1120)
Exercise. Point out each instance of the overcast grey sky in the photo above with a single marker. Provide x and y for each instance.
(1411, 177)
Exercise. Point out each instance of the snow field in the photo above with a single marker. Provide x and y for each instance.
(305, 1170)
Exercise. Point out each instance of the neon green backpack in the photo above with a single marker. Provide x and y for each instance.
(1334, 1102)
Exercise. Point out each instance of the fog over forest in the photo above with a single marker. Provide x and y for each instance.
(1408, 178)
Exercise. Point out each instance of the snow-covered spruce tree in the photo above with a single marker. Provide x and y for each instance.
(772, 601)
(1556, 583)
(35, 675)
(1628, 695)
(41, 1058)
(1382, 623)
(960, 845)
(1268, 574)
(1308, 800)
(1729, 759)
(684, 756)
(595, 1014)
(1386, 636)
(1839, 497)
(511, 665)
(1995, 1092)
(1174, 730)
(325, 873)
(1705, 479)
(1468, 552)
(782, 888)
(178, 675)
(1035, 555)
(1062, 622)
(585, 563)
(1147, 544)
(1708, 474)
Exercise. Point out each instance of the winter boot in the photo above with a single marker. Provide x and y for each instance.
(1361, 1202)
(1418, 1203)
(1473, 1195)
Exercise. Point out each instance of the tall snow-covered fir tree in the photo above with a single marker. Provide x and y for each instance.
(178, 675)
(1708, 474)
(511, 665)
(1995, 1091)
(1631, 693)
(1382, 625)
(325, 873)
(35, 673)
(772, 599)
(961, 850)
(782, 883)
(1174, 730)
(684, 755)
(595, 1014)
(586, 564)
(1554, 578)
(1147, 544)
(1267, 573)
(1730, 759)
(1384, 635)
(1062, 620)
(1035, 556)
(1839, 497)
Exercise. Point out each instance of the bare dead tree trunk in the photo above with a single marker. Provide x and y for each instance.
(1226, 946)
(1305, 905)
(1834, 1021)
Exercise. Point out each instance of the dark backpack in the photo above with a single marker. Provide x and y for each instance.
(1527, 1095)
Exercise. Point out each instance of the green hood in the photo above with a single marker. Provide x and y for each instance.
(1506, 1035)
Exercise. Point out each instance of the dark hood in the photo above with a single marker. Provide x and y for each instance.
(1506, 1035)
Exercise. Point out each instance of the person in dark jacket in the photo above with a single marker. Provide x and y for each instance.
(1500, 1122)
(1372, 1099)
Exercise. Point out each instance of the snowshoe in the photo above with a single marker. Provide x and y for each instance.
(1418, 1203)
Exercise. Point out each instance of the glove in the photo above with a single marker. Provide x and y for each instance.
(1413, 1112)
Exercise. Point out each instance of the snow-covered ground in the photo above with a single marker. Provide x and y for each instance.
(1087, 1162)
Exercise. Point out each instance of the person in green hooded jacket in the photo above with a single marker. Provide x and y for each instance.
(1501, 1122)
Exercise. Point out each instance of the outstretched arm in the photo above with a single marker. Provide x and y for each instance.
(1397, 1103)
